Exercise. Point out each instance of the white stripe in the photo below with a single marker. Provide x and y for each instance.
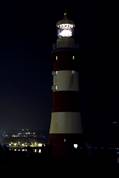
(65, 42)
(65, 122)
(65, 80)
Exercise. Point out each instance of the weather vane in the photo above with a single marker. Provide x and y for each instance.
(65, 13)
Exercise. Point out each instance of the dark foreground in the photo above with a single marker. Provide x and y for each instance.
(80, 164)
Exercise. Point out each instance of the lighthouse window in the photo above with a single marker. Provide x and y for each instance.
(73, 72)
(75, 146)
(73, 57)
(56, 58)
(56, 87)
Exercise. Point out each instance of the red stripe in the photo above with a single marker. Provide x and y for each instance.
(59, 138)
(65, 64)
(66, 101)
(65, 61)
(60, 149)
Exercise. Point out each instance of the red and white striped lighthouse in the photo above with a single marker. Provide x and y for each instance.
(65, 127)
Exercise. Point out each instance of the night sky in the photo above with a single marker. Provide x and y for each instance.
(27, 31)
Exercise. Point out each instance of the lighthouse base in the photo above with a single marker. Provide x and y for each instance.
(65, 146)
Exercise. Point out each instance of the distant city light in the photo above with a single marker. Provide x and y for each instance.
(114, 122)
(73, 57)
(15, 144)
(22, 144)
(21, 140)
(35, 150)
(39, 144)
(118, 160)
(39, 151)
(14, 135)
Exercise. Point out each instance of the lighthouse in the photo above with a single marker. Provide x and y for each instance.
(65, 132)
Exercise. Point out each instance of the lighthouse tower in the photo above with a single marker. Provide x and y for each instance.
(65, 128)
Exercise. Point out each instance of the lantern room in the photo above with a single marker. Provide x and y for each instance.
(65, 27)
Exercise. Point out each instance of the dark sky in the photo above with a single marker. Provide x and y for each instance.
(27, 31)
